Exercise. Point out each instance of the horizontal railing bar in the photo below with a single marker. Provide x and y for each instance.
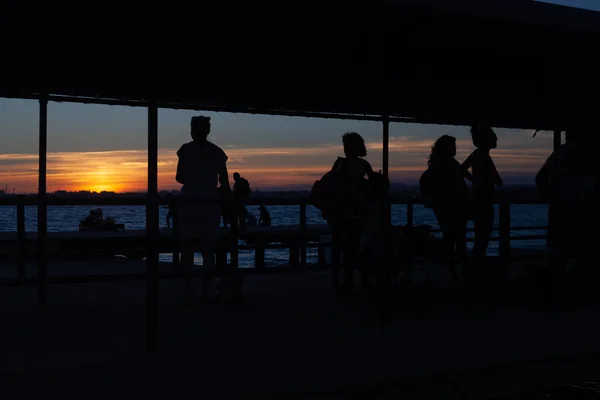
(142, 201)
(140, 276)
(279, 246)
(528, 228)
(496, 228)
(522, 237)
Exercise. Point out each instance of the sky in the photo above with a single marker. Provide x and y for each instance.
(585, 4)
(94, 147)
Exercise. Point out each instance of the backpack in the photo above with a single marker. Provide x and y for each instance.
(242, 188)
(323, 194)
(427, 189)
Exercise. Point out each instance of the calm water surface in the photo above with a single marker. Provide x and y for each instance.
(66, 218)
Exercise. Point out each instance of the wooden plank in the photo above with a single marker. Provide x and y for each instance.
(278, 230)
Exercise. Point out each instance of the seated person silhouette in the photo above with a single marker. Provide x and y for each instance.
(265, 217)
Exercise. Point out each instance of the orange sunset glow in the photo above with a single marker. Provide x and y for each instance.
(101, 148)
(266, 168)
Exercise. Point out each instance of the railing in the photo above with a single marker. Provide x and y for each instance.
(20, 202)
(152, 277)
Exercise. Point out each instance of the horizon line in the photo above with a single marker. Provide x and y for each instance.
(407, 185)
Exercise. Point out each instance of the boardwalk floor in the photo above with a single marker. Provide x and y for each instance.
(290, 335)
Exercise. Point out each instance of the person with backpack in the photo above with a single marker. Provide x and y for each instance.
(445, 191)
(341, 196)
(241, 190)
(241, 186)
(567, 181)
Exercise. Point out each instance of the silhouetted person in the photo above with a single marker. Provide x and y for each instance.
(265, 216)
(201, 164)
(485, 179)
(241, 186)
(241, 190)
(346, 218)
(445, 190)
(567, 181)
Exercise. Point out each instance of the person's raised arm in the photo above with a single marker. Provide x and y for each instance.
(465, 166)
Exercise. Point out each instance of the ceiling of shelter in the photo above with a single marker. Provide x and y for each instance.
(311, 56)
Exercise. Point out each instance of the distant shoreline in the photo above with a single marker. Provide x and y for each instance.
(399, 190)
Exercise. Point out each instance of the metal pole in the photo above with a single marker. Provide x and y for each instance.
(22, 260)
(557, 253)
(386, 165)
(557, 140)
(152, 282)
(386, 146)
(42, 208)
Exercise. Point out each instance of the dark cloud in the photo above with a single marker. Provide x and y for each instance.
(17, 161)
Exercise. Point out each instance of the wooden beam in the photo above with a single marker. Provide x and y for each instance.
(206, 107)
(557, 142)
(385, 162)
(42, 207)
(152, 216)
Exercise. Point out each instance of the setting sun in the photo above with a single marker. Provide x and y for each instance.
(266, 168)
(100, 188)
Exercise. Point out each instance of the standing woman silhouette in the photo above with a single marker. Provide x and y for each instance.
(347, 219)
(201, 165)
(449, 194)
(485, 180)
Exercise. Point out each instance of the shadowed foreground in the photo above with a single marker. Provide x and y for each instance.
(291, 335)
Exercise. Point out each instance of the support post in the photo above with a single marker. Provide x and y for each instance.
(303, 236)
(385, 162)
(152, 288)
(22, 258)
(504, 217)
(235, 235)
(385, 165)
(556, 215)
(294, 255)
(410, 212)
(42, 208)
(259, 255)
(557, 140)
(175, 236)
(152, 215)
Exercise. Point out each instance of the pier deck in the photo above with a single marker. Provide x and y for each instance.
(290, 334)
(132, 243)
